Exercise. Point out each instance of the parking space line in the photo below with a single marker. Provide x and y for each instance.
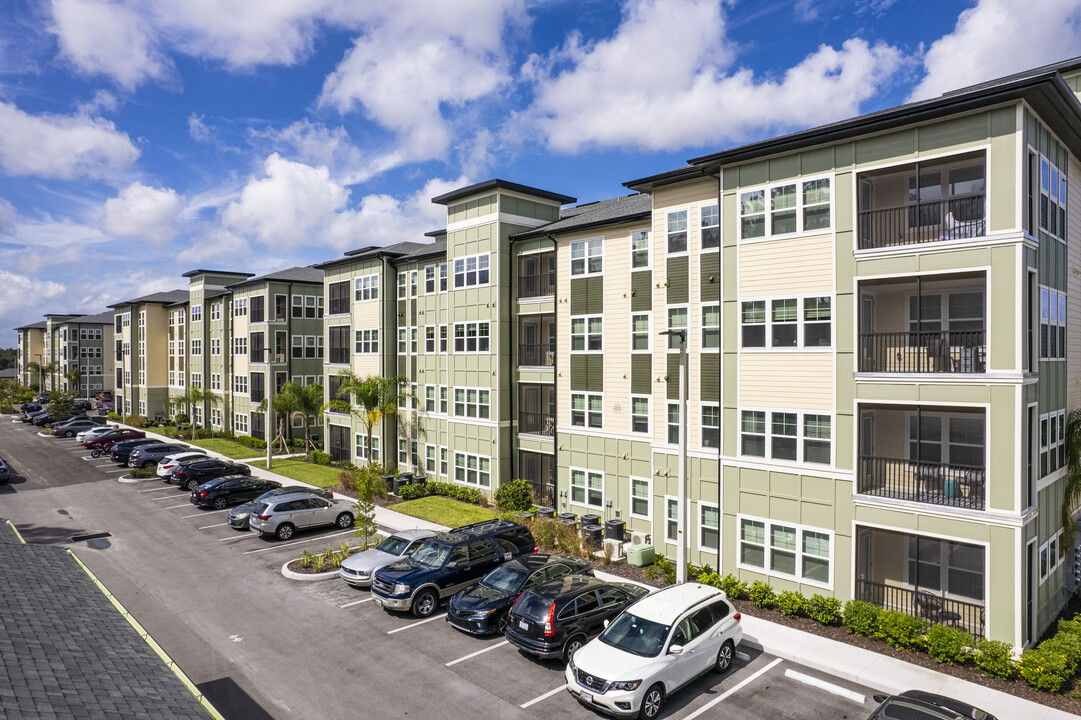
(239, 537)
(545, 696)
(413, 625)
(355, 602)
(478, 652)
(174, 507)
(157, 489)
(299, 542)
(827, 686)
(202, 514)
(731, 691)
(205, 527)
(116, 470)
(164, 497)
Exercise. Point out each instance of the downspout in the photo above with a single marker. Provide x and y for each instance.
(554, 471)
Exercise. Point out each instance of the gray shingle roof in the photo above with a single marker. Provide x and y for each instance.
(395, 251)
(165, 298)
(604, 212)
(309, 274)
(40, 325)
(105, 318)
(65, 651)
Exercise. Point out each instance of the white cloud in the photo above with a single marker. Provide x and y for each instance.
(217, 244)
(16, 290)
(7, 217)
(1000, 37)
(106, 38)
(61, 146)
(316, 144)
(600, 94)
(806, 10)
(141, 212)
(197, 128)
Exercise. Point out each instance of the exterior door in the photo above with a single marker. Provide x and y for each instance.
(1030, 595)
(867, 329)
(339, 443)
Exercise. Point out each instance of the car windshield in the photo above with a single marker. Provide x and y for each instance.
(635, 635)
(431, 554)
(393, 545)
(505, 577)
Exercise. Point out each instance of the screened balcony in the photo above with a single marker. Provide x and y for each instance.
(536, 275)
(923, 454)
(924, 325)
(940, 580)
(536, 340)
(943, 199)
(537, 410)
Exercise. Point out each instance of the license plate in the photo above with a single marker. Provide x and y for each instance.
(523, 624)
(377, 600)
(586, 697)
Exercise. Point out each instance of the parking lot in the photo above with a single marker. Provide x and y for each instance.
(263, 646)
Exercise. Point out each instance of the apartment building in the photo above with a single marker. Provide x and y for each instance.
(84, 342)
(31, 344)
(140, 352)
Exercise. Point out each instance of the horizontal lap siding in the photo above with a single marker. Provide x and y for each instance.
(800, 381)
(798, 266)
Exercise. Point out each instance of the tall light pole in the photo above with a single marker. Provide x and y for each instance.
(681, 493)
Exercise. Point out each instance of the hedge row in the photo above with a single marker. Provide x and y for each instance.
(458, 492)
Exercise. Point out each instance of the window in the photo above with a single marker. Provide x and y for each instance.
(366, 288)
(215, 311)
(816, 439)
(1052, 442)
(240, 307)
(413, 340)
(429, 398)
(586, 410)
(240, 422)
(298, 306)
(673, 424)
(366, 341)
(471, 271)
(215, 381)
(196, 380)
(710, 231)
(671, 519)
(785, 329)
(196, 313)
(429, 339)
(240, 384)
(443, 339)
(783, 439)
(709, 527)
(640, 414)
(711, 327)
(677, 320)
(430, 452)
(215, 417)
(472, 469)
(196, 346)
(640, 335)
(430, 279)
(711, 426)
(1052, 199)
(471, 337)
(444, 395)
(339, 298)
(240, 346)
(640, 498)
(787, 550)
(472, 402)
(587, 488)
(1052, 555)
(362, 448)
(817, 322)
(215, 346)
(402, 285)
(586, 257)
(1052, 324)
(403, 340)
(298, 346)
(793, 208)
(587, 334)
(639, 249)
(677, 232)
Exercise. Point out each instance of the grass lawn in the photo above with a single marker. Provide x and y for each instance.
(225, 447)
(444, 510)
(318, 475)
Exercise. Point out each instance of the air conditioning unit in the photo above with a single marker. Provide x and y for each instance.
(617, 548)
(639, 538)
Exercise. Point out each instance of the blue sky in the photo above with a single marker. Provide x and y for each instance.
(140, 139)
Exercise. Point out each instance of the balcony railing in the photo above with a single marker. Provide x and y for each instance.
(936, 608)
(531, 286)
(532, 423)
(536, 354)
(952, 219)
(946, 351)
(339, 355)
(962, 486)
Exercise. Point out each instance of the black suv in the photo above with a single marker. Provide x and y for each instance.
(448, 562)
(191, 476)
(553, 620)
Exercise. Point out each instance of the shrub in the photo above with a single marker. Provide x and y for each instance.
(306, 559)
(861, 618)
(113, 416)
(412, 492)
(791, 603)
(183, 418)
(762, 595)
(252, 442)
(667, 568)
(733, 587)
(544, 532)
(949, 645)
(147, 472)
(514, 496)
(1068, 644)
(710, 578)
(458, 492)
(901, 630)
(1045, 668)
(136, 421)
(319, 458)
(825, 610)
(994, 658)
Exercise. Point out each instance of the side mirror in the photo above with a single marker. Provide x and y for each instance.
(675, 650)
(880, 698)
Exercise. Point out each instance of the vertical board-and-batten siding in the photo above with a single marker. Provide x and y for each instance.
(1073, 287)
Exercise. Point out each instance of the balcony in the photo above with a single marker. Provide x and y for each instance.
(924, 326)
(534, 423)
(536, 276)
(537, 409)
(339, 355)
(923, 202)
(934, 456)
(536, 354)
(536, 340)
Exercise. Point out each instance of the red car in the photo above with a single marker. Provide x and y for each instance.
(101, 444)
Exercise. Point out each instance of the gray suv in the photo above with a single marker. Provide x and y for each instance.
(283, 515)
(150, 454)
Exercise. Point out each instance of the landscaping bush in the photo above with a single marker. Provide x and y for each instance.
(901, 630)
(995, 658)
(791, 603)
(762, 594)
(1068, 644)
(711, 578)
(667, 568)
(458, 492)
(147, 472)
(733, 587)
(514, 496)
(252, 442)
(319, 458)
(544, 532)
(1045, 668)
(136, 421)
(113, 416)
(949, 645)
(825, 610)
(861, 618)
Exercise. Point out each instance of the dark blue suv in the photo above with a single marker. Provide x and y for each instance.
(448, 562)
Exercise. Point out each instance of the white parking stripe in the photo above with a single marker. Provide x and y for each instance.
(478, 652)
(202, 514)
(157, 489)
(206, 527)
(413, 625)
(299, 542)
(239, 537)
(723, 696)
(165, 497)
(119, 470)
(174, 507)
(355, 602)
(545, 696)
(827, 686)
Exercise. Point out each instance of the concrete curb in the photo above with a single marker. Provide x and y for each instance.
(330, 575)
(134, 480)
(41, 434)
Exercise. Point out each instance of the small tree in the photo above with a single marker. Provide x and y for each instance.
(372, 399)
(75, 376)
(1073, 476)
(33, 368)
(49, 369)
(61, 404)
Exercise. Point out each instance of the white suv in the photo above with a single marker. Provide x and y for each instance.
(655, 646)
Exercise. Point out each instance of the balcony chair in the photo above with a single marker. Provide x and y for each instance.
(930, 607)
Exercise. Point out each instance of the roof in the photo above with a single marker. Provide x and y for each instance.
(605, 212)
(496, 184)
(8, 373)
(105, 318)
(308, 274)
(164, 298)
(68, 652)
(193, 273)
(40, 325)
(669, 177)
(665, 606)
(395, 251)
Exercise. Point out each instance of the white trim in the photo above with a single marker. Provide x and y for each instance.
(585, 257)
(767, 221)
(700, 527)
(800, 529)
(585, 488)
(631, 497)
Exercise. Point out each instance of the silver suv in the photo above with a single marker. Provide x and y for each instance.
(282, 516)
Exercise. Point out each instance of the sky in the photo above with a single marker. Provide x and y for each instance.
(140, 139)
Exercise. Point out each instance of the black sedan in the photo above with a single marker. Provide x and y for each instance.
(197, 473)
(238, 516)
(482, 608)
(120, 452)
(221, 492)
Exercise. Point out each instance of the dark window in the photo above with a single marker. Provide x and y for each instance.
(339, 342)
(334, 383)
(520, 537)
(481, 550)
(587, 602)
(611, 596)
(256, 348)
(459, 554)
(255, 309)
(257, 387)
(280, 302)
(339, 298)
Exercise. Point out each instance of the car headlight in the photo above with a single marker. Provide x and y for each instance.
(481, 615)
(626, 685)
(240, 516)
(361, 574)
(400, 589)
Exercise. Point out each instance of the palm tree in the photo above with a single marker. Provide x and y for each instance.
(49, 369)
(373, 397)
(75, 376)
(34, 368)
(1073, 476)
(297, 401)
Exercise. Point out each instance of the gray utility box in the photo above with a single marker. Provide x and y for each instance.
(640, 555)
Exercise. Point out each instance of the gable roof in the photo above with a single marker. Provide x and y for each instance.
(628, 208)
(162, 298)
(308, 274)
(497, 184)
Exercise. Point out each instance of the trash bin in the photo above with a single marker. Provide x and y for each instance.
(640, 555)
(591, 536)
(590, 520)
(544, 512)
(615, 530)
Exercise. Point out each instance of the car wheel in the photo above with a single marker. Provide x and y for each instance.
(724, 657)
(220, 502)
(501, 625)
(344, 520)
(652, 702)
(573, 645)
(285, 531)
(95, 453)
(69, 433)
(191, 485)
(425, 603)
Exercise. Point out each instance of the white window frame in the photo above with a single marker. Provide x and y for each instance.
(648, 332)
(240, 384)
(477, 404)
(768, 212)
(767, 550)
(587, 249)
(365, 288)
(465, 338)
(669, 499)
(648, 415)
(196, 314)
(366, 341)
(702, 327)
(586, 396)
(215, 381)
(702, 547)
(701, 218)
(444, 339)
(430, 339)
(240, 345)
(669, 232)
(646, 237)
(702, 426)
(673, 340)
(462, 272)
(631, 497)
(1051, 556)
(587, 336)
(464, 466)
(801, 321)
(240, 307)
(800, 436)
(196, 347)
(587, 475)
(215, 346)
